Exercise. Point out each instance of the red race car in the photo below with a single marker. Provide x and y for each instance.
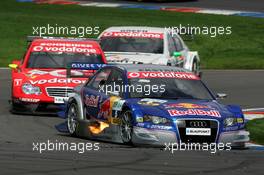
(39, 81)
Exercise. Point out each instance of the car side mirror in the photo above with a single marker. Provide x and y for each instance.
(13, 66)
(177, 54)
(221, 95)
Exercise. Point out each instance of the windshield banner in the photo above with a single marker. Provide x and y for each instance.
(178, 75)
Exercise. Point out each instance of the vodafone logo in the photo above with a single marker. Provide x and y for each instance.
(133, 75)
(179, 75)
(56, 81)
(65, 49)
(133, 34)
(37, 48)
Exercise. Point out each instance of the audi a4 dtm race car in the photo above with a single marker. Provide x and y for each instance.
(39, 82)
(148, 45)
(153, 105)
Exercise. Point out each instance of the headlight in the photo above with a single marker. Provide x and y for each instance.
(156, 120)
(230, 121)
(29, 89)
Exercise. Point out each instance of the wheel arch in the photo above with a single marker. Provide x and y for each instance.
(76, 98)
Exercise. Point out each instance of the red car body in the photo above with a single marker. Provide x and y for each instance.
(39, 81)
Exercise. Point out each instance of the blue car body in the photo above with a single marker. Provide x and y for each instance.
(185, 120)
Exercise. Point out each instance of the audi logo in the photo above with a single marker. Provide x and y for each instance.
(197, 124)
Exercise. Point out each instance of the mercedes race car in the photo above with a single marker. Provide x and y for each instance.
(39, 82)
(151, 105)
(148, 45)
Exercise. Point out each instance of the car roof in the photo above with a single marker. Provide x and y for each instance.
(148, 29)
(148, 67)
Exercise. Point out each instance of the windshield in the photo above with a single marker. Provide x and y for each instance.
(129, 44)
(60, 59)
(169, 88)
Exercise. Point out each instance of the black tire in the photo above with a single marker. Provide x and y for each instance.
(195, 68)
(13, 107)
(126, 127)
(72, 116)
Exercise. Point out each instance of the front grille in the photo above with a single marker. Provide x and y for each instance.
(183, 124)
(59, 91)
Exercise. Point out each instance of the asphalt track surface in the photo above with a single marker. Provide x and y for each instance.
(240, 5)
(18, 132)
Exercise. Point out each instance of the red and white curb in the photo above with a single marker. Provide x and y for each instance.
(253, 113)
(147, 7)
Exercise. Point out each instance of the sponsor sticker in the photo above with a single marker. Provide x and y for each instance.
(60, 100)
(198, 131)
(139, 119)
(17, 82)
(91, 100)
(133, 34)
(178, 75)
(240, 120)
(151, 102)
(87, 66)
(118, 105)
(200, 112)
(31, 100)
(57, 80)
(65, 47)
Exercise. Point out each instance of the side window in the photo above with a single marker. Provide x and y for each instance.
(172, 47)
(116, 82)
(103, 75)
(178, 44)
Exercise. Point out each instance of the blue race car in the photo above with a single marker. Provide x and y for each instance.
(153, 105)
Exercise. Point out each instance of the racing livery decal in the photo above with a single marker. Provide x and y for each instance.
(151, 102)
(133, 34)
(91, 100)
(199, 112)
(64, 47)
(179, 75)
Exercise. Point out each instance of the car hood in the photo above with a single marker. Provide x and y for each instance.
(51, 77)
(182, 108)
(130, 57)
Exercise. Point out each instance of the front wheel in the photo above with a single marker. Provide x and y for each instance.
(126, 127)
(72, 116)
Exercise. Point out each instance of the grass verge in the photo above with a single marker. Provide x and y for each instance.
(256, 129)
(243, 49)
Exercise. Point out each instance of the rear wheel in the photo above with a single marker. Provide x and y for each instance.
(72, 116)
(126, 127)
(195, 68)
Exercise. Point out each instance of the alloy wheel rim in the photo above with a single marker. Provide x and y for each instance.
(126, 127)
(72, 119)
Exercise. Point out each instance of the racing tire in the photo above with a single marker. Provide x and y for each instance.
(13, 107)
(126, 127)
(195, 69)
(72, 116)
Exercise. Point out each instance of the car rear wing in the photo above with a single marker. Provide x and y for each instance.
(32, 38)
(82, 70)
